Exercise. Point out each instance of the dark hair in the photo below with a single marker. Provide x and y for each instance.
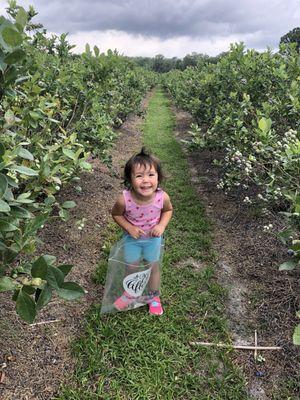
(142, 158)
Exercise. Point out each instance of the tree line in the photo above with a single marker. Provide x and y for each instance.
(162, 64)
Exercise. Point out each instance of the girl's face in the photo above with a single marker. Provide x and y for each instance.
(144, 180)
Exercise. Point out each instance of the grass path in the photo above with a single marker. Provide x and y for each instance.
(133, 355)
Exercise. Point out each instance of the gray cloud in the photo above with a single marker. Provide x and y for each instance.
(261, 22)
(169, 18)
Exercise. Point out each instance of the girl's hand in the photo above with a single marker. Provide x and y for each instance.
(135, 231)
(157, 231)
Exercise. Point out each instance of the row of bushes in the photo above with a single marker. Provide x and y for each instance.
(247, 106)
(56, 108)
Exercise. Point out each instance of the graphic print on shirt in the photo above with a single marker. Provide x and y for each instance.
(135, 283)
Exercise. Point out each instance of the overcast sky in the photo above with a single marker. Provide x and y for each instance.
(173, 28)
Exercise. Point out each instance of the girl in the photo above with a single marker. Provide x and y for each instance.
(143, 211)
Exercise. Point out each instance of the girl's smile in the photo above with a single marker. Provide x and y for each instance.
(144, 181)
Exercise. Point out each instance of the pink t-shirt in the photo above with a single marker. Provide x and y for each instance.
(143, 216)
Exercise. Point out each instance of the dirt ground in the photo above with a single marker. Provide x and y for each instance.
(260, 297)
(36, 359)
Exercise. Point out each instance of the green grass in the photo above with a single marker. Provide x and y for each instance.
(133, 355)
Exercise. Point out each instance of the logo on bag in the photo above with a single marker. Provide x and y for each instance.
(134, 284)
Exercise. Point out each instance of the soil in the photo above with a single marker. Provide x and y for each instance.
(36, 359)
(260, 297)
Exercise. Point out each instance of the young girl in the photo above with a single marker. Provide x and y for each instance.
(143, 211)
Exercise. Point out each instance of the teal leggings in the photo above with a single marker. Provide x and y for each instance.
(137, 249)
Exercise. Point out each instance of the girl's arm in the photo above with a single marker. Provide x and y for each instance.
(166, 215)
(118, 216)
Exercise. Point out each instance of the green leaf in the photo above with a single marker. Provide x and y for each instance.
(70, 291)
(2, 64)
(4, 207)
(295, 245)
(296, 335)
(9, 117)
(35, 224)
(36, 116)
(8, 195)
(265, 124)
(53, 120)
(65, 268)
(50, 260)
(28, 289)
(6, 226)
(22, 17)
(2, 165)
(69, 204)
(7, 254)
(20, 212)
(64, 214)
(2, 150)
(11, 74)
(24, 201)
(96, 51)
(285, 235)
(11, 36)
(25, 171)
(85, 165)
(3, 185)
(24, 195)
(22, 79)
(69, 154)
(15, 295)
(288, 266)
(49, 200)
(24, 153)
(7, 284)
(26, 307)
(44, 297)
(15, 57)
(54, 277)
(12, 182)
(39, 268)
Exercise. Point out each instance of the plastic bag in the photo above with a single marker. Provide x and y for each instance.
(133, 273)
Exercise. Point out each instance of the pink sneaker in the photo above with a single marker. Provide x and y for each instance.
(155, 307)
(124, 301)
